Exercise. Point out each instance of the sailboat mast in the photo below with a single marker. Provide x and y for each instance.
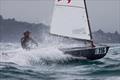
(88, 20)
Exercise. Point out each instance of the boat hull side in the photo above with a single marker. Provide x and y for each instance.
(89, 53)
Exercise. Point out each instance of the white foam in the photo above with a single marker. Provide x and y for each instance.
(23, 57)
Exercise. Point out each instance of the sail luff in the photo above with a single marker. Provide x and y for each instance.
(92, 43)
(88, 20)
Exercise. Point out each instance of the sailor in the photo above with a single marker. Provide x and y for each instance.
(27, 41)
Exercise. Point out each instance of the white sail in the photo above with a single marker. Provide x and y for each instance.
(70, 19)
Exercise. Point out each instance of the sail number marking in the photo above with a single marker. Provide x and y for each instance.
(101, 51)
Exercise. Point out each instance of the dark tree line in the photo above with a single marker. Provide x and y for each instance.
(12, 30)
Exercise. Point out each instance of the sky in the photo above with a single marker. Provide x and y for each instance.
(103, 14)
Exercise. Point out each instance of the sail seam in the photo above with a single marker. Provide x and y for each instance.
(71, 6)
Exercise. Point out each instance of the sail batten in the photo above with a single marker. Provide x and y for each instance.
(70, 20)
(71, 6)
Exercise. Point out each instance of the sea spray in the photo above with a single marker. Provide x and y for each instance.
(32, 65)
(34, 56)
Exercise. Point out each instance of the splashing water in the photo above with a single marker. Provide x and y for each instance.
(38, 55)
(49, 63)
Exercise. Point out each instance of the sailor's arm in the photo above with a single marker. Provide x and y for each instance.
(33, 41)
(22, 44)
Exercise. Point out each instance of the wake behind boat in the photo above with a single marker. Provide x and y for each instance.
(70, 20)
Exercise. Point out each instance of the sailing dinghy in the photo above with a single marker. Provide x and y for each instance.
(70, 20)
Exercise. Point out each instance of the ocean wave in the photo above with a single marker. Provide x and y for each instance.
(48, 62)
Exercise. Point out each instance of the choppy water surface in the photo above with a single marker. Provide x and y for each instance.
(48, 63)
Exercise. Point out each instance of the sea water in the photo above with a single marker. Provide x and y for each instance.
(49, 63)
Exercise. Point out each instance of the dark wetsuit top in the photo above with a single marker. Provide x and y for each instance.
(25, 41)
